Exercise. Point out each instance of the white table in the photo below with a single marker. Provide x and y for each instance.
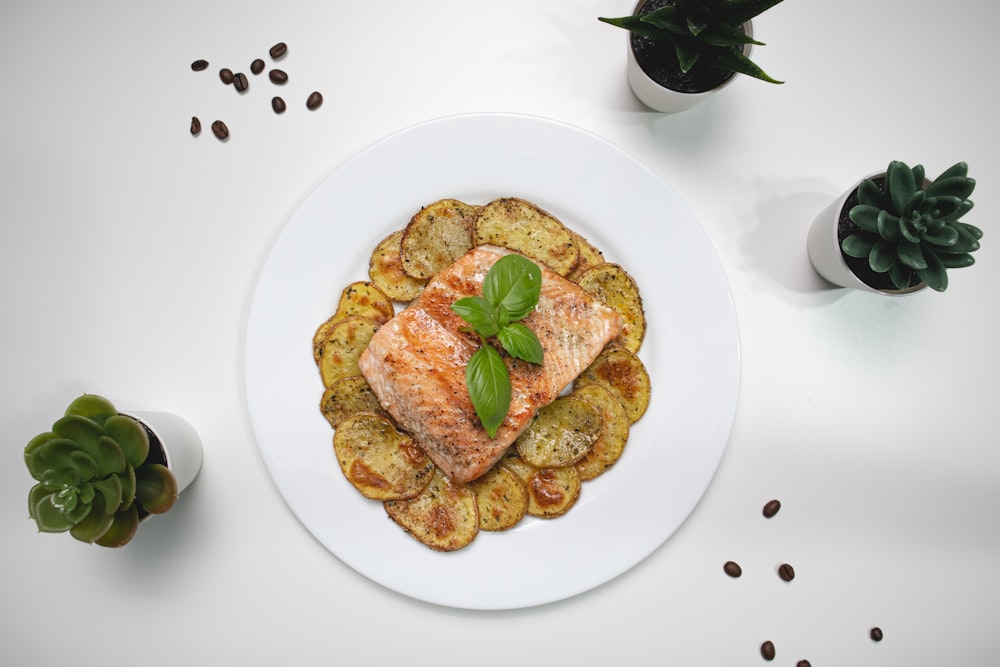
(131, 250)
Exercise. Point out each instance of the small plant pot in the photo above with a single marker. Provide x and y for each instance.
(172, 438)
(829, 261)
(661, 86)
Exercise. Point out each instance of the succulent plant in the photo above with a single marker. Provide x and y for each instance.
(910, 227)
(95, 477)
(704, 33)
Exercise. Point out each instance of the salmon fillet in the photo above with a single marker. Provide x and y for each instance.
(415, 363)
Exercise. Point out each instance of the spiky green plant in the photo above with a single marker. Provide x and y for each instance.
(93, 475)
(910, 230)
(704, 33)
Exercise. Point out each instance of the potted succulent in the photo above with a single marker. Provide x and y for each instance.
(896, 232)
(99, 472)
(682, 51)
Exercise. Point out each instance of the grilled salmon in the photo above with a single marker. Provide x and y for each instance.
(415, 363)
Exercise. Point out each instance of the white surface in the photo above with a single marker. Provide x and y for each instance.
(691, 353)
(873, 420)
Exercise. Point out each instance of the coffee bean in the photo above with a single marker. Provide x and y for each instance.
(786, 571)
(199, 65)
(732, 569)
(314, 101)
(278, 76)
(278, 50)
(257, 66)
(278, 104)
(226, 75)
(771, 508)
(803, 663)
(876, 634)
(195, 126)
(767, 650)
(220, 130)
(240, 82)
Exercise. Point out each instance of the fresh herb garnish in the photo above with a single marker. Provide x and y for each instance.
(510, 292)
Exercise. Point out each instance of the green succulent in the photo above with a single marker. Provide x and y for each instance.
(704, 33)
(909, 230)
(93, 476)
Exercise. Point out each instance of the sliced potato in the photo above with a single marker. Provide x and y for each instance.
(385, 268)
(561, 433)
(344, 344)
(625, 375)
(380, 461)
(443, 516)
(610, 443)
(590, 256)
(502, 499)
(551, 491)
(361, 298)
(614, 286)
(436, 236)
(347, 397)
(522, 226)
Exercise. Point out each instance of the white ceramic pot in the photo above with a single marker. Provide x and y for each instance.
(661, 98)
(823, 246)
(181, 444)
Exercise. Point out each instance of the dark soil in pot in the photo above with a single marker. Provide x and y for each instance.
(659, 61)
(859, 266)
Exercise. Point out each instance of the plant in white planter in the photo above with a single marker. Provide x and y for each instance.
(681, 51)
(897, 231)
(99, 472)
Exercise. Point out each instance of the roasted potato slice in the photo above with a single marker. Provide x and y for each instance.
(345, 342)
(363, 299)
(380, 461)
(436, 236)
(385, 268)
(590, 256)
(614, 286)
(551, 491)
(522, 226)
(610, 443)
(561, 433)
(502, 499)
(443, 516)
(625, 375)
(347, 397)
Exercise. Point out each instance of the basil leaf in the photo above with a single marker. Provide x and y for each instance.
(478, 312)
(514, 283)
(521, 342)
(488, 382)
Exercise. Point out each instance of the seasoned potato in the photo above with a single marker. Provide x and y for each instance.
(436, 236)
(344, 344)
(522, 226)
(347, 397)
(561, 433)
(551, 491)
(590, 256)
(625, 375)
(380, 461)
(610, 443)
(502, 499)
(443, 516)
(614, 286)
(363, 299)
(385, 268)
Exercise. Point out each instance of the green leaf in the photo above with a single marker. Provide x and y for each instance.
(155, 488)
(956, 261)
(858, 246)
(127, 480)
(889, 227)
(633, 24)
(734, 61)
(83, 431)
(488, 382)
(900, 275)
(130, 436)
(946, 236)
(110, 488)
(911, 255)
(934, 274)
(666, 18)
(478, 312)
(687, 55)
(47, 515)
(869, 194)
(738, 12)
(952, 186)
(866, 217)
(93, 407)
(95, 524)
(521, 342)
(882, 256)
(725, 35)
(122, 530)
(513, 283)
(900, 184)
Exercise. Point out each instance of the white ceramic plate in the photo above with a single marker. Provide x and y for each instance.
(691, 352)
